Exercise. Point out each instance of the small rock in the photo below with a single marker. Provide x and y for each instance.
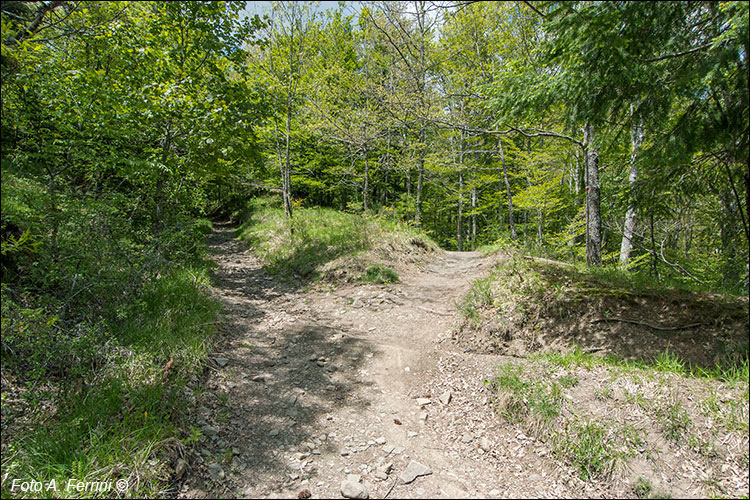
(209, 430)
(304, 494)
(221, 361)
(262, 378)
(180, 468)
(446, 397)
(494, 493)
(344, 453)
(423, 401)
(411, 434)
(423, 416)
(380, 440)
(353, 489)
(466, 438)
(485, 444)
(216, 472)
(274, 432)
(414, 470)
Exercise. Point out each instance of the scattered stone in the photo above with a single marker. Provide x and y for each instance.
(411, 434)
(221, 361)
(423, 416)
(344, 453)
(466, 438)
(330, 387)
(397, 421)
(485, 444)
(380, 440)
(216, 472)
(446, 397)
(423, 401)
(210, 430)
(274, 432)
(304, 494)
(383, 471)
(494, 493)
(180, 468)
(329, 417)
(412, 471)
(262, 378)
(352, 488)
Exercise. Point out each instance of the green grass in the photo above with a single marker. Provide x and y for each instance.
(115, 421)
(675, 421)
(524, 399)
(380, 275)
(479, 296)
(664, 362)
(315, 236)
(588, 448)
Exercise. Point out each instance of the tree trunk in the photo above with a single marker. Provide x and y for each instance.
(513, 235)
(594, 222)
(636, 140)
(459, 224)
(367, 182)
(286, 180)
(474, 209)
(420, 176)
(459, 228)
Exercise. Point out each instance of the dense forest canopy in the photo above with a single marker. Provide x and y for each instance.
(614, 132)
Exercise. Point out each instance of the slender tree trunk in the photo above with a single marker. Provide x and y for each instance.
(459, 228)
(459, 223)
(594, 223)
(473, 209)
(513, 235)
(420, 176)
(654, 259)
(499, 205)
(636, 140)
(367, 182)
(286, 173)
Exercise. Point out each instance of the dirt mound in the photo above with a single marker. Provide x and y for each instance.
(542, 308)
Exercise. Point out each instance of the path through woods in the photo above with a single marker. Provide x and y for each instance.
(311, 387)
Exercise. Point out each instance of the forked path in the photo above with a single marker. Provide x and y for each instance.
(311, 387)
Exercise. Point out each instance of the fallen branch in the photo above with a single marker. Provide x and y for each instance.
(643, 323)
(391, 488)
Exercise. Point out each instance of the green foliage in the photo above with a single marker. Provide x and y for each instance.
(380, 274)
(587, 447)
(315, 236)
(675, 421)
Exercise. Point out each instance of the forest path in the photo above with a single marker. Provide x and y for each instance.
(312, 386)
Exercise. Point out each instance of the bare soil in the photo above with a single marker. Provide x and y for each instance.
(314, 383)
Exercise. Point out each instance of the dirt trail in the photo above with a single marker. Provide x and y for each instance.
(311, 386)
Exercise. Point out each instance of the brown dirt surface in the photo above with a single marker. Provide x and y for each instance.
(314, 384)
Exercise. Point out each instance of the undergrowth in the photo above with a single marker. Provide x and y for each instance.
(301, 247)
(101, 329)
